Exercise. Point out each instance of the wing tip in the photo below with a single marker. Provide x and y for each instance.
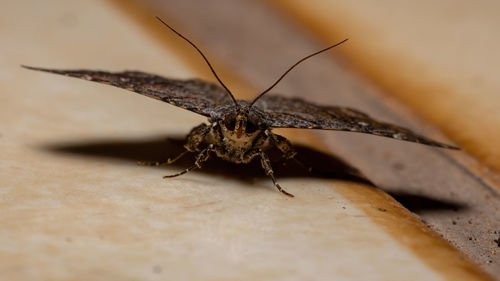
(434, 143)
(35, 68)
(448, 146)
(27, 66)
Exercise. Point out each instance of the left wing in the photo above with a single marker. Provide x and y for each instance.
(284, 112)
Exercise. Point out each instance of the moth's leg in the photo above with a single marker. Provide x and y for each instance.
(202, 157)
(163, 163)
(266, 164)
(286, 148)
(193, 140)
(196, 137)
(282, 144)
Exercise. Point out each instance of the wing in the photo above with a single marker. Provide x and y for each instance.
(283, 112)
(195, 95)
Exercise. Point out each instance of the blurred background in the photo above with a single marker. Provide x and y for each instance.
(429, 65)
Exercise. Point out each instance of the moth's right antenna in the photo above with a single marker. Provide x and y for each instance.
(205, 58)
(292, 67)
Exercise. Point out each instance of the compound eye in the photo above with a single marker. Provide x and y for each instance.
(230, 123)
(250, 127)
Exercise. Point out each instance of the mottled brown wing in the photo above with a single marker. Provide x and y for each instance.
(283, 112)
(195, 95)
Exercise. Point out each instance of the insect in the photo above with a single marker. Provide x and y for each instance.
(240, 130)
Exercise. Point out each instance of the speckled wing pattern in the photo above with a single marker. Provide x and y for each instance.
(195, 95)
(210, 100)
(284, 112)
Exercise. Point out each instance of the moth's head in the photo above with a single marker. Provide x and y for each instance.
(240, 124)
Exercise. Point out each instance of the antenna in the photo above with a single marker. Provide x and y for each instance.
(204, 57)
(292, 67)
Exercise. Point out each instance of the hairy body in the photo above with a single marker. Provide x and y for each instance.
(239, 137)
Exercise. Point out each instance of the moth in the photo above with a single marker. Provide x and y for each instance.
(238, 130)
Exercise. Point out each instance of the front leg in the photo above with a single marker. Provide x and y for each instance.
(286, 148)
(202, 157)
(193, 141)
(282, 144)
(196, 137)
(266, 164)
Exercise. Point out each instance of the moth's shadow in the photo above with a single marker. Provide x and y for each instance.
(161, 148)
(420, 204)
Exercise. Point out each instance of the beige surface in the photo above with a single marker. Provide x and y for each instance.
(72, 217)
(440, 57)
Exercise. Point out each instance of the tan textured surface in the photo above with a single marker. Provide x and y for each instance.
(69, 217)
(441, 57)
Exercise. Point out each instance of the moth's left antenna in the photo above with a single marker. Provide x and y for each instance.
(204, 57)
